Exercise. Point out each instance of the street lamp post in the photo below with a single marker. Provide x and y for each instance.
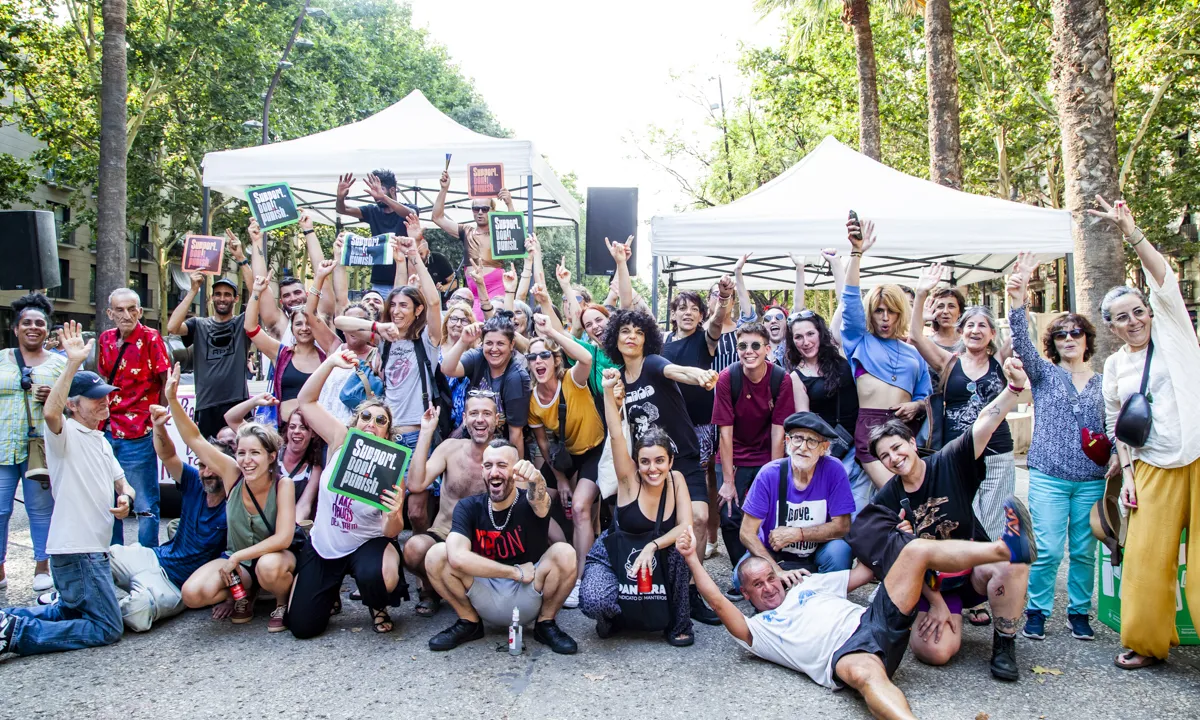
(284, 64)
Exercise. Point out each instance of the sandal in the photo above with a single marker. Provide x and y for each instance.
(978, 616)
(1130, 660)
(336, 609)
(382, 622)
(681, 639)
(428, 604)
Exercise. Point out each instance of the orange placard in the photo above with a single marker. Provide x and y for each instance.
(485, 180)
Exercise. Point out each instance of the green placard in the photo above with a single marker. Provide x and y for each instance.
(366, 466)
(508, 235)
(273, 205)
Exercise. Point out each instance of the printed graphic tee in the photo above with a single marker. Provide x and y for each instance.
(827, 496)
(342, 524)
(654, 399)
(942, 505)
(518, 536)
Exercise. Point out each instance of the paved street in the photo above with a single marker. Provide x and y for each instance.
(191, 667)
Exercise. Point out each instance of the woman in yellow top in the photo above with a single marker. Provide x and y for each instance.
(584, 436)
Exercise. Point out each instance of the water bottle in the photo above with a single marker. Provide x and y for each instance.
(516, 634)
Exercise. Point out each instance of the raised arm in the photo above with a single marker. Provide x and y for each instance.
(991, 416)
(343, 189)
(429, 291)
(621, 253)
(316, 256)
(325, 337)
(70, 339)
(539, 498)
(838, 270)
(220, 463)
(341, 280)
(424, 468)
(798, 291)
(712, 328)
(263, 341)
(476, 272)
(1118, 214)
(542, 297)
(438, 215)
(614, 395)
(236, 415)
(177, 323)
(582, 369)
(164, 447)
(931, 351)
(1018, 319)
(379, 194)
(452, 357)
(268, 308)
(861, 235)
(331, 430)
(746, 309)
(732, 618)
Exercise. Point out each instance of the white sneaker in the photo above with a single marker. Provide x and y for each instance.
(710, 550)
(42, 582)
(572, 600)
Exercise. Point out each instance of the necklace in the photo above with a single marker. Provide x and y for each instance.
(492, 517)
(893, 360)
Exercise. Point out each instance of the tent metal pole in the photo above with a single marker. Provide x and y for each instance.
(1070, 282)
(653, 285)
(578, 275)
(529, 211)
(205, 204)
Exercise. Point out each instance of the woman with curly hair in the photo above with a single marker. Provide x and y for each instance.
(652, 398)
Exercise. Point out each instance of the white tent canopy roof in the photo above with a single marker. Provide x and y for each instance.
(411, 138)
(805, 209)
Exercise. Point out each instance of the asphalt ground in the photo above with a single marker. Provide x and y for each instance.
(193, 667)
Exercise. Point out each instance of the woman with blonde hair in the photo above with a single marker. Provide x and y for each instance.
(891, 376)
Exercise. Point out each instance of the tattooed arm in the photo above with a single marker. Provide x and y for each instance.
(539, 499)
(991, 416)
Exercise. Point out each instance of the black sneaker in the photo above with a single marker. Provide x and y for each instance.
(606, 627)
(547, 632)
(1004, 656)
(1081, 629)
(734, 594)
(1035, 626)
(460, 632)
(701, 612)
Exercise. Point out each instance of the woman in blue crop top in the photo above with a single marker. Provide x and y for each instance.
(891, 376)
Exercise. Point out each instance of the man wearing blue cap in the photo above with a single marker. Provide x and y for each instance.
(83, 475)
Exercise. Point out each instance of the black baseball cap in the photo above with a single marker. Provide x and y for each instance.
(225, 281)
(89, 385)
(809, 421)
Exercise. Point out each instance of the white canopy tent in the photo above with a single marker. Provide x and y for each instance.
(805, 209)
(411, 138)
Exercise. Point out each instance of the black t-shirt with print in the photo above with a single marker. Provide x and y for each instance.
(654, 399)
(942, 505)
(692, 351)
(518, 535)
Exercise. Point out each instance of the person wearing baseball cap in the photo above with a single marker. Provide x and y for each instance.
(85, 474)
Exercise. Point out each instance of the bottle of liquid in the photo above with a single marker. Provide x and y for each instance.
(235, 586)
(516, 634)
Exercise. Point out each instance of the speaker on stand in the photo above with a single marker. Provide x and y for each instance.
(612, 214)
(31, 250)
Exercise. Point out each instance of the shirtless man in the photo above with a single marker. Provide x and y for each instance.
(475, 237)
(461, 464)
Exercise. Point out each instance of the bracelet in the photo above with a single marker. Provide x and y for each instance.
(314, 291)
(243, 262)
(801, 534)
(374, 327)
(250, 333)
(310, 231)
(486, 309)
(1016, 390)
(656, 547)
(1127, 465)
(521, 571)
(856, 253)
(1142, 237)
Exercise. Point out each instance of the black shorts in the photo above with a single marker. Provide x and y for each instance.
(697, 484)
(587, 465)
(882, 631)
(436, 538)
(210, 420)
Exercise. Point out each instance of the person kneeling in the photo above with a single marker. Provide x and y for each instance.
(348, 537)
(806, 623)
(498, 556)
(651, 497)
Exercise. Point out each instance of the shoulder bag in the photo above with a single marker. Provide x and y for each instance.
(1095, 445)
(1136, 417)
(35, 463)
(641, 611)
(299, 538)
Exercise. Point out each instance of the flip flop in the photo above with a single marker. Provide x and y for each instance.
(1125, 660)
(681, 639)
(973, 616)
(428, 605)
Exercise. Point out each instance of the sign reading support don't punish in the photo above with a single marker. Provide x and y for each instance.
(485, 180)
(273, 205)
(203, 253)
(367, 466)
(508, 235)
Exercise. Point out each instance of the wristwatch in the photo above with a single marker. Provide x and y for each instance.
(243, 261)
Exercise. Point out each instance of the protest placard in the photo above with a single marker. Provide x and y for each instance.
(203, 253)
(485, 180)
(359, 251)
(508, 235)
(367, 466)
(273, 205)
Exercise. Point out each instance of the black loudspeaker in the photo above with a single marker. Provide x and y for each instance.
(30, 250)
(612, 214)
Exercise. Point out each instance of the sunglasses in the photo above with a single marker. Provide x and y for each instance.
(1075, 333)
(543, 355)
(773, 317)
(801, 315)
(481, 393)
(381, 419)
(755, 346)
(26, 378)
(483, 209)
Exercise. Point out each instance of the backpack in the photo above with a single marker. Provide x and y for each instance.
(735, 383)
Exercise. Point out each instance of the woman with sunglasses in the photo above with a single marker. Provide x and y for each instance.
(1162, 477)
(891, 377)
(1066, 476)
(348, 537)
(475, 238)
(970, 378)
(652, 398)
(22, 392)
(583, 437)
(648, 487)
(458, 315)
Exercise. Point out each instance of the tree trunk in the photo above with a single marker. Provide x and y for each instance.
(112, 259)
(941, 71)
(869, 140)
(1084, 97)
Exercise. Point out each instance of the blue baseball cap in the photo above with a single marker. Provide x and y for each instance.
(89, 385)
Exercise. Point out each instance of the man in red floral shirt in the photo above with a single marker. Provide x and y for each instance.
(134, 358)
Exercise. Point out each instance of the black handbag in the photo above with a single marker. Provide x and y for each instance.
(640, 611)
(1136, 417)
(560, 459)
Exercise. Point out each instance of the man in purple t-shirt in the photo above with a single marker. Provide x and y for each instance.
(750, 425)
(806, 530)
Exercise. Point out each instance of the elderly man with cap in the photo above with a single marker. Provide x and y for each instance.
(220, 346)
(85, 475)
(798, 509)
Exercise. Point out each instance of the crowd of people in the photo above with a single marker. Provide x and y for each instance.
(575, 456)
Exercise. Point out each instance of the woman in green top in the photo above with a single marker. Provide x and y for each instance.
(261, 515)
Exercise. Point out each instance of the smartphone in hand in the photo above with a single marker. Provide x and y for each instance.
(856, 233)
